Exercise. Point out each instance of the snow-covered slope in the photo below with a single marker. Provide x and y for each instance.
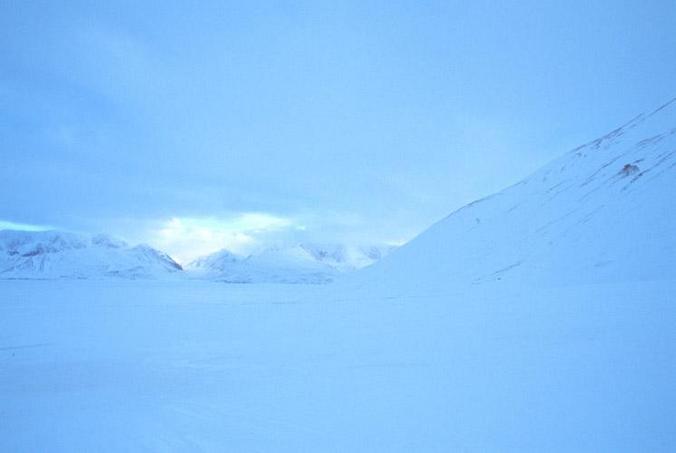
(302, 263)
(605, 211)
(56, 254)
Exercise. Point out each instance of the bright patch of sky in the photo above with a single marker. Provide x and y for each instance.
(6, 225)
(188, 238)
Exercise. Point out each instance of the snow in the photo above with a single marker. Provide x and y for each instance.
(58, 254)
(275, 265)
(122, 365)
(581, 219)
(300, 263)
(539, 319)
(348, 257)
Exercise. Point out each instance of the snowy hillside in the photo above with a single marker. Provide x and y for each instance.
(603, 212)
(304, 263)
(55, 254)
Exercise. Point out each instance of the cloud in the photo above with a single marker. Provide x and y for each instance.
(7, 225)
(187, 238)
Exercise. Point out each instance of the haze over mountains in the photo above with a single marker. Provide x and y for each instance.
(302, 263)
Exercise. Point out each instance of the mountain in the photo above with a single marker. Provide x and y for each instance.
(57, 254)
(273, 265)
(302, 263)
(603, 212)
(345, 258)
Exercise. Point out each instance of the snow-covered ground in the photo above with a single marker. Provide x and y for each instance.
(198, 366)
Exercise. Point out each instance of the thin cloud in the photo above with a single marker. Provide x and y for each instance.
(7, 225)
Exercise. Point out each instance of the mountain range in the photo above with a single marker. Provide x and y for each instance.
(58, 254)
(301, 263)
(602, 212)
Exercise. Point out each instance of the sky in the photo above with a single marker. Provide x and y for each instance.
(195, 126)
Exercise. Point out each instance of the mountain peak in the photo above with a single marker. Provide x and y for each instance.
(58, 254)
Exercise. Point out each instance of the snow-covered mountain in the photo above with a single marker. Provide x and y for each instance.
(57, 254)
(605, 211)
(302, 263)
(345, 258)
(274, 265)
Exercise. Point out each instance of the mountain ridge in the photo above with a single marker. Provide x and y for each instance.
(299, 263)
(59, 254)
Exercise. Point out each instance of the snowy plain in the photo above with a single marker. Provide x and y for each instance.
(199, 366)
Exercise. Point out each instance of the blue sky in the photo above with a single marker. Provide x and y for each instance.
(235, 124)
